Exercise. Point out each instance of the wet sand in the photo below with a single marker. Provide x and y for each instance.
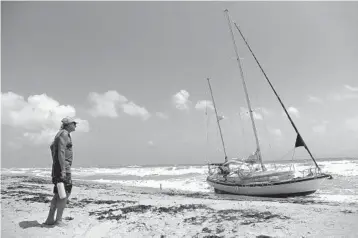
(99, 210)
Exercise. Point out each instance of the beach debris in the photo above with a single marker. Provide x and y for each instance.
(84, 202)
(206, 230)
(196, 220)
(136, 209)
(40, 198)
(219, 230)
(255, 217)
(347, 211)
(37, 180)
(109, 213)
(27, 195)
(247, 216)
(22, 187)
(181, 208)
(213, 236)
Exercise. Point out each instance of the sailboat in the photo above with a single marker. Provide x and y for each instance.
(244, 177)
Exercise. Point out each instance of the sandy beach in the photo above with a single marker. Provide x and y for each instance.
(97, 210)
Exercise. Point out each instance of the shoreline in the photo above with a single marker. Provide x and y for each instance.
(112, 210)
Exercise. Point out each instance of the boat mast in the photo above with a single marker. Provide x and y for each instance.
(246, 93)
(217, 119)
(299, 137)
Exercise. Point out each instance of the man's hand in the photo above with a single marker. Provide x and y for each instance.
(63, 176)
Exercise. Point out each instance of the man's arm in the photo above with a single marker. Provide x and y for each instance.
(62, 142)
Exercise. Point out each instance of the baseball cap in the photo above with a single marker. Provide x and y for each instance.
(68, 120)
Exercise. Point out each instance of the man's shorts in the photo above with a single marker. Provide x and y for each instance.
(67, 183)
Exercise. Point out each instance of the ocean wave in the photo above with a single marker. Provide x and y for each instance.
(189, 185)
(141, 171)
(40, 172)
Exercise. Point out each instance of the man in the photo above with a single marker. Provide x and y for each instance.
(62, 156)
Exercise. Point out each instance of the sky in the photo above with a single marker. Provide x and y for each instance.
(134, 75)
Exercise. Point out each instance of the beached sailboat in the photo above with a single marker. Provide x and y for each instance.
(242, 177)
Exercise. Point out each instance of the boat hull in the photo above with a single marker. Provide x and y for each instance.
(289, 188)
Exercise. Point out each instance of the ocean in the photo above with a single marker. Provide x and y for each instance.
(343, 188)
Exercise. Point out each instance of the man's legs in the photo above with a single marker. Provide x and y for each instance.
(51, 215)
(61, 204)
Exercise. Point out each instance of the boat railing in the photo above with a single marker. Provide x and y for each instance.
(232, 167)
(213, 167)
(310, 172)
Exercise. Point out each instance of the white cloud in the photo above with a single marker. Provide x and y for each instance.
(265, 111)
(221, 117)
(204, 104)
(37, 112)
(82, 126)
(315, 99)
(39, 115)
(293, 111)
(352, 123)
(350, 88)
(244, 113)
(275, 131)
(181, 100)
(161, 115)
(257, 116)
(151, 143)
(320, 128)
(104, 105)
(132, 109)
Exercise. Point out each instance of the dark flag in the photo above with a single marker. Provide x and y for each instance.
(299, 141)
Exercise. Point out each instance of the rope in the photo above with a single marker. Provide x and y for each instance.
(293, 155)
